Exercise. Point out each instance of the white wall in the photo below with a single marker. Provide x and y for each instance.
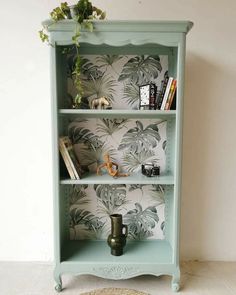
(209, 186)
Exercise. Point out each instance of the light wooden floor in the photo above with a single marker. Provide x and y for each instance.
(198, 278)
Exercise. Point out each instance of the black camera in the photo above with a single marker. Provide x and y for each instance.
(150, 169)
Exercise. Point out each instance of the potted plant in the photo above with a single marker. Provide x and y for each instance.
(83, 13)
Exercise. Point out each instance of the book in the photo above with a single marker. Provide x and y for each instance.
(70, 156)
(167, 91)
(162, 92)
(173, 104)
(65, 157)
(171, 94)
(152, 97)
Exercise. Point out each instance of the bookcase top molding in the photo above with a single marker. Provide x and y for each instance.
(120, 33)
(123, 26)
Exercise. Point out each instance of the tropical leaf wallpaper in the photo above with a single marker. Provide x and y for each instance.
(129, 142)
(116, 76)
(142, 207)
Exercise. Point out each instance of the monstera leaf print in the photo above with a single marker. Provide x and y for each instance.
(138, 138)
(133, 161)
(87, 221)
(141, 69)
(110, 197)
(141, 222)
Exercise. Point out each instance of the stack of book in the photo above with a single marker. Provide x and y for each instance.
(69, 157)
(166, 97)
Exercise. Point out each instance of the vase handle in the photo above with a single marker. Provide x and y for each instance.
(126, 229)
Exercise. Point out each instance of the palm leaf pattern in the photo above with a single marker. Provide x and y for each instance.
(133, 161)
(131, 94)
(77, 194)
(79, 134)
(134, 187)
(89, 70)
(139, 138)
(102, 86)
(158, 194)
(108, 126)
(110, 197)
(141, 222)
(108, 60)
(89, 221)
(90, 155)
(141, 69)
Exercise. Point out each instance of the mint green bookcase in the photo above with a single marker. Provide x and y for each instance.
(154, 257)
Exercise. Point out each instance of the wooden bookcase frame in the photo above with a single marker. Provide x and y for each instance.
(156, 257)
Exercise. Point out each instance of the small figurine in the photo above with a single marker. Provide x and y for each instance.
(100, 103)
(108, 164)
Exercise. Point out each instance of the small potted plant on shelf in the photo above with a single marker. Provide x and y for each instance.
(83, 13)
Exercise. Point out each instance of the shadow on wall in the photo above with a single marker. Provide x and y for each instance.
(202, 79)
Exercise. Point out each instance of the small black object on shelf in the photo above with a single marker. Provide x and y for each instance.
(147, 96)
(150, 169)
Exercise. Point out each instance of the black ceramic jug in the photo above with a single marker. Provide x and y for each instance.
(117, 239)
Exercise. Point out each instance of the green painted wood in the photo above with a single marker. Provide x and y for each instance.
(132, 179)
(178, 148)
(121, 33)
(119, 113)
(92, 252)
(143, 257)
(123, 25)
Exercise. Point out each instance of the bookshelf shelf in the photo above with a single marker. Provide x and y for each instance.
(118, 113)
(111, 55)
(94, 252)
(132, 179)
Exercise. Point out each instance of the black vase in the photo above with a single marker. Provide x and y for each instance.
(117, 239)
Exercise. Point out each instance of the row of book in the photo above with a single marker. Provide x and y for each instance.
(163, 99)
(166, 98)
(71, 162)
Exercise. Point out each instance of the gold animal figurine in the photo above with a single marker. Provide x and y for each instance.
(100, 103)
(109, 165)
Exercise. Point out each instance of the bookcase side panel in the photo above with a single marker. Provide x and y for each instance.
(170, 146)
(173, 60)
(64, 215)
(63, 100)
(178, 148)
(55, 157)
(169, 214)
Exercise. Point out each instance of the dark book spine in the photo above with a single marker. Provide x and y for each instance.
(152, 98)
(173, 104)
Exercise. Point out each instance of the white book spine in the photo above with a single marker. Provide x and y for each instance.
(66, 160)
(69, 158)
(166, 93)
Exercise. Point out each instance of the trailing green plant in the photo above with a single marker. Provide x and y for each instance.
(85, 13)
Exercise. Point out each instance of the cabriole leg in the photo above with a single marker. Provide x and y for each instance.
(175, 283)
(57, 278)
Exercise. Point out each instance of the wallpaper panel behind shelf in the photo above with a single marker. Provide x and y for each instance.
(116, 77)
